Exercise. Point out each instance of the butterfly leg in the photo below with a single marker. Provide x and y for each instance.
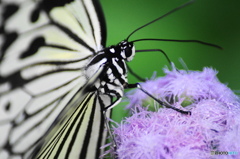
(137, 85)
(110, 134)
(135, 74)
(117, 101)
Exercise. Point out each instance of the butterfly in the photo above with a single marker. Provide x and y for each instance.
(58, 80)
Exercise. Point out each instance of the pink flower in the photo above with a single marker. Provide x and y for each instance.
(214, 124)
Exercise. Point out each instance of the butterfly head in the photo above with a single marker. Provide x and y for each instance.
(127, 50)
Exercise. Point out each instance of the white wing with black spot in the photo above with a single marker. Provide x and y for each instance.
(45, 46)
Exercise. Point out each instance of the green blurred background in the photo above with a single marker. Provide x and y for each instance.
(213, 21)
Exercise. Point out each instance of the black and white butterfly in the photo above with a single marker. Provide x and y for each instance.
(57, 78)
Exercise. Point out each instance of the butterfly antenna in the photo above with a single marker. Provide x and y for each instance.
(170, 12)
(186, 41)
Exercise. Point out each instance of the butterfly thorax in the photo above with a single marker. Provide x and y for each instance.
(110, 65)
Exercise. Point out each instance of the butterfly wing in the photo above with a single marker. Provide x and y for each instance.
(78, 131)
(45, 47)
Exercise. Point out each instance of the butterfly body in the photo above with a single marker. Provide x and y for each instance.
(106, 75)
(113, 77)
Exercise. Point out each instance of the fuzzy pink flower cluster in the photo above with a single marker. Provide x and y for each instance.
(212, 129)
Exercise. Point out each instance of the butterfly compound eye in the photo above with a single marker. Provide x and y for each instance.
(127, 50)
